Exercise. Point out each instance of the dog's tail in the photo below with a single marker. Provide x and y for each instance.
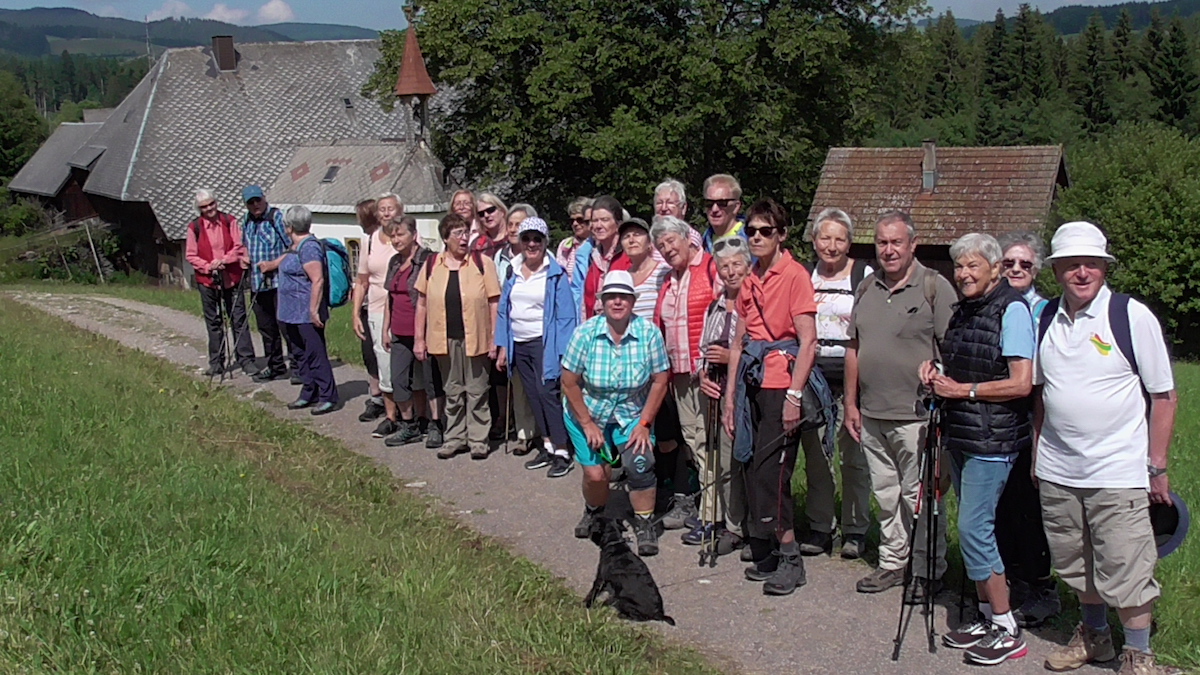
(669, 620)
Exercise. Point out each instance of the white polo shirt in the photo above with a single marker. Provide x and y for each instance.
(1094, 433)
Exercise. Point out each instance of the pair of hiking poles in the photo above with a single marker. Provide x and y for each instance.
(226, 331)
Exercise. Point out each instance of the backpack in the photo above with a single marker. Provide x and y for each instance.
(858, 271)
(337, 268)
(1118, 319)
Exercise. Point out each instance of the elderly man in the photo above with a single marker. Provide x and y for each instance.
(215, 251)
(265, 239)
(722, 203)
(900, 315)
(1098, 453)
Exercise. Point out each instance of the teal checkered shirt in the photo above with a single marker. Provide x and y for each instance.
(616, 377)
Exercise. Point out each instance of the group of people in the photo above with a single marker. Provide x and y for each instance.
(659, 358)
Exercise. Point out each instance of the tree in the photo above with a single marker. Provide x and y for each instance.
(1122, 45)
(948, 88)
(1091, 76)
(22, 130)
(1032, 66)
(994, 123)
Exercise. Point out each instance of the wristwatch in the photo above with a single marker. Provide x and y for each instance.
(1156, 471)
(974, 389)
(795, 396)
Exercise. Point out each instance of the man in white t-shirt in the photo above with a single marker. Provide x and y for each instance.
(1098, 453)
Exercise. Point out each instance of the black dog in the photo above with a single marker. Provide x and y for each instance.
(631, 588)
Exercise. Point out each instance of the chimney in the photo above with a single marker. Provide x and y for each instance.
(929, 165)
(224, 54)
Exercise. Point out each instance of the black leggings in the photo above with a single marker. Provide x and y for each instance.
(769, 471)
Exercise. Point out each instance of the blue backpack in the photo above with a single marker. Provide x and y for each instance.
(337, 266)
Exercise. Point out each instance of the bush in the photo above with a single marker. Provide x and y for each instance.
(1141, 184)
(21, 217)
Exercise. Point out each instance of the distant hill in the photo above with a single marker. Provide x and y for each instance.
(962, 23)
(38, 31)
(1074, 18)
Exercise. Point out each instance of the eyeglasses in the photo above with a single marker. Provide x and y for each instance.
(1026, 265)
(719, 203)
(532, 237)
(765, 230)
(728, 242)
(456, 233)
(486, 212)
(665, 202)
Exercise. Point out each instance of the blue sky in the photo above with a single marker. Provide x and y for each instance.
(387, 14)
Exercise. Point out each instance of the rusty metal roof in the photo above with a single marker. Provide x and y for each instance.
(989, 189)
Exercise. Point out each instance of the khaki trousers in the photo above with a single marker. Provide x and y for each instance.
(729, 484)
(893, 450)
(820, 477)
(466, 382)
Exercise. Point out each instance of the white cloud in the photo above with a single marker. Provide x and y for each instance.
(106, 10)
(276, 11)
(227, 14)
(170, 8)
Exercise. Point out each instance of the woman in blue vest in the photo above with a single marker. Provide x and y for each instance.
(534, 323)
(984, 383)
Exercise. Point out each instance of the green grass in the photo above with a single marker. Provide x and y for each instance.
(154, 524)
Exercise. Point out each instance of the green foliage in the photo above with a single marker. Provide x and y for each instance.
(950, 86)
(21, 129)
(1141, 183)
(1091, 77)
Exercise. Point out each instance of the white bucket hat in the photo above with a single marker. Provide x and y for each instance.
(1079, 239)
(618, 282)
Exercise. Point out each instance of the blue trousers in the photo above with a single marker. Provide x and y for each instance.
(315, 371)
(979, 483)
(545, 398)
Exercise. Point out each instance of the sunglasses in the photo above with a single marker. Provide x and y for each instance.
(578, 219)
(532, 237)
(486, 212)
(729, 242)
(765, 230)
(1026, 265)
(210, 205)
(719, 203)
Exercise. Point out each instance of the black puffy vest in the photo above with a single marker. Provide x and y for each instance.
(971, 353)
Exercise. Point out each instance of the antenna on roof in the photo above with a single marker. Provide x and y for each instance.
(149, 51)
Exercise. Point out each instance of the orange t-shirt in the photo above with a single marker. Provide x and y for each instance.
(769, 304)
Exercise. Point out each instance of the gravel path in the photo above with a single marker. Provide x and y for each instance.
(825, 627)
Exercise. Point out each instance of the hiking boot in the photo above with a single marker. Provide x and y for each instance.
(386, 428)
(448, 452)
(647, 536)
(479, 452)
(728, 542)
(434, 438)
(406, 433)
(372, 412)
(702, 534)
(295, 379)
(1086, 645)
(997, 647)
(854, 546)
(1138, 662)
(541, 461)
(1041, 604)
(423, 425)
(817, 543)
(299, 404)
(324, 408)
(920, 589)
(682, 508)
(584, 527)
(527, 446)
(762, 554)
(559, 466)
(267, 375)
(968, 634)
(249, 368)
(746, 555)
(880, 580)
(789, 573)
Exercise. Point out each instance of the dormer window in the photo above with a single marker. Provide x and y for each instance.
(330, 174)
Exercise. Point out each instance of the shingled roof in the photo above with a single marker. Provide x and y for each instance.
(986, 189)
(47, 171)
(364, 169)
(188, 125)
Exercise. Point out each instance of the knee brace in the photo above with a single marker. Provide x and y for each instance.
(639, 470)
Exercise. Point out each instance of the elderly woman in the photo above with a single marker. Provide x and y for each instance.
(987, 355)
(580, 213)
(648, 272)
(725, 516)
(368, 219)
(415, 384)
(599, 255)
(512, 246)
(535, 321)
(492, 217)
(368, 287)
(455, 320)
(775, 346)
(1019, 532)
(304, 309)
(835, 277)
(670, 199)
(614, 378)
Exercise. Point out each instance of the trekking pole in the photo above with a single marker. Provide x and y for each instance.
(508, 399)
(926, 507)
(708, 541)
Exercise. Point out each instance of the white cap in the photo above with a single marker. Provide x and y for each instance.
(618, 281)
(1079, 239)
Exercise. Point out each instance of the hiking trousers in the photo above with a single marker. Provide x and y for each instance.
(221, 305)
(264, 304)
(466, 381)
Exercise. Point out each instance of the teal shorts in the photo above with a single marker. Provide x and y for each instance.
(615, 439)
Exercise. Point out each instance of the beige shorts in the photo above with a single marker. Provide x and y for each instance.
(1101, 542)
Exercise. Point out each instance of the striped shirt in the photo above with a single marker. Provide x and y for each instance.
(616, 377)
(265, 240)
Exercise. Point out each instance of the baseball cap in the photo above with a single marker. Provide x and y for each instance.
(1170, 523)
(618, 281)
(632, 222)
(1079, 239)
(250, 192)
(534, 224)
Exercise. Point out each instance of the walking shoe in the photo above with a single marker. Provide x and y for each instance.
(700, 535)
(559, 466)
(372, 412)
(479, 452)
(214, 370)
(386, 428)
(762, 555)
(323, 408)
(299, 403)
(692, 522)
(267, 374)
(789, 573)
(540, 462)
(434, 438)
(295, 379)
(682, 508)
(527, 446)
(746, 555)
(1086, 645)
(423, 425)
(1138, 662)
(854, 546)
(880, 580)
(448, 452)
(647, 536)
(728, 542)
(1039, 605)
(920, 588)
(406, 433)
(250, 368)
(584, 527)
(968, 634)
(997, 647)
(817, 543)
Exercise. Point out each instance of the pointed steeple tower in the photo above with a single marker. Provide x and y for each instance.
(414, 86)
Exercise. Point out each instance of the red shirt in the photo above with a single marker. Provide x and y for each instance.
(769, 303)
(404, 313)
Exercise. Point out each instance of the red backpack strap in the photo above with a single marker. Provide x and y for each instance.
(478, 260)
(430, 261)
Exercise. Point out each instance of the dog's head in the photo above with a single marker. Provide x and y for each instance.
(605, 530)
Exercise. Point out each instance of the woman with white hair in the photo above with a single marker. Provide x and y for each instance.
(1023, 256)
(303, 310)
(984, 385)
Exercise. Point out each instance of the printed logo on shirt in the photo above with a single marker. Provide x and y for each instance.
(1101, 346)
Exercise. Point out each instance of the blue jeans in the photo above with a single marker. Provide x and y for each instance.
(979, 483)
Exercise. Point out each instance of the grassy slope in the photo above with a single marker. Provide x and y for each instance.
(153, 524)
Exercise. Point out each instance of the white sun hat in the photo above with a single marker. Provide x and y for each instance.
(1079, 239)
